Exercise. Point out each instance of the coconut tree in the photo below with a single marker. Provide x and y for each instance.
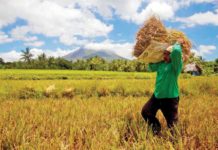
(42, 61)
(216, 61)
(2, 61)
(26, 55)
(42, 57)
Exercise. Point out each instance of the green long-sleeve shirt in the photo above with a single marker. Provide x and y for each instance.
(167, 74)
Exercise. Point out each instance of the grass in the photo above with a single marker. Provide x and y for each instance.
(102, 114)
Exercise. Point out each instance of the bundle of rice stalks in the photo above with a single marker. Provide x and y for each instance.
(173, 35)
(153, 29)
(154, 52)
(50, 91)
(28, 92)
(68, 93)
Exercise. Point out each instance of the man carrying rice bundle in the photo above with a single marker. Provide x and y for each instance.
(166, 93)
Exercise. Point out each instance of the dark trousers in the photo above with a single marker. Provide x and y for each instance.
(169, 108)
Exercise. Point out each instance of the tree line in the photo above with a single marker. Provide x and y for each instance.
(93, 63)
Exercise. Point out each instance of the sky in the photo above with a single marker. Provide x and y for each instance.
(58, 27)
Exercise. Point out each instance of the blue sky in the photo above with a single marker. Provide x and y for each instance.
(57, 27)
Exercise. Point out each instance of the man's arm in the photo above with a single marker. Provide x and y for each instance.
(153, 66)
(176, 58)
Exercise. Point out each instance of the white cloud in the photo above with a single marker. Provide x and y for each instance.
(4, 38)
(185, 3)
(160, 9)
(58, 52)
(51, 53)
(135, 11)
(67, 40)
(121, 49)
(205, 18)
(204, 50)
(196, 19)
(178, 4)
(14, 55)
(10, 56)
(198, 1)
(207, 49)
(34, 43)
(6, 17)
(51, 19)
(74, 22)
(21, 33)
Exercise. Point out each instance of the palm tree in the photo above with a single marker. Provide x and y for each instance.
(26, 55)
(2, 61)
(42, 57)
(216, 60)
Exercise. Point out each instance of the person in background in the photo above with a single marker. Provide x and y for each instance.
(166, 94)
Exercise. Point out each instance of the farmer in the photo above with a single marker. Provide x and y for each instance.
(166, 94)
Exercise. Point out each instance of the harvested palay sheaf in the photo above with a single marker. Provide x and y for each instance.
(153, 29)
(173, 35)
(154, 52)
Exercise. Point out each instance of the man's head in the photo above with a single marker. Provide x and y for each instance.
(167, 56)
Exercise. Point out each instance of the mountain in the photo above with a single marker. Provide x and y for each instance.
(85, 54)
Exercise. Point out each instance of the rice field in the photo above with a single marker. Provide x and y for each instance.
(20, 74)
(100, 110)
